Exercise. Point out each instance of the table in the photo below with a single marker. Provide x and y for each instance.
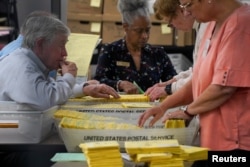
(126, 164)
(30, 155)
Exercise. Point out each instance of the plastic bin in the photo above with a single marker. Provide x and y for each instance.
(19, 124)
(73, 137)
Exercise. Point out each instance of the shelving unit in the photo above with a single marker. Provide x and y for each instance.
(102, 17)
(8, 17)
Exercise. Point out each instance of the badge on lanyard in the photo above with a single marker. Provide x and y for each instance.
(123, 63)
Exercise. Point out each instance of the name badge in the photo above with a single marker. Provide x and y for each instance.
(122, 63)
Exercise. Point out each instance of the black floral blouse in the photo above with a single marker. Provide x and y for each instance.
(116, 63)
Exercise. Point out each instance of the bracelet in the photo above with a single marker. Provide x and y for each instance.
(184, 109)
(117, 85)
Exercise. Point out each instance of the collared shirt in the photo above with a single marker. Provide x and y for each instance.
(116, 63)
(24, 79)
(225, 62)
(183, 77)
(12, 46)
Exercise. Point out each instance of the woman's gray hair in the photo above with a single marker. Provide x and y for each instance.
(132, 9)
(45, 27)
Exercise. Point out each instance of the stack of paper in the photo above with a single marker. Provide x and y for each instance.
(175, 123)
(82, 115)
(192, 153)
(92, 124)
(153, 146)
(105, 154)
(157, 153)
(174, 162)
(136, 105)
(123, 98)
(153, 157)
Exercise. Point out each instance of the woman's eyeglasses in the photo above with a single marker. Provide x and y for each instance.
(186, 5)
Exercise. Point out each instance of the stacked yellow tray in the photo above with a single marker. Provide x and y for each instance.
(164, 153)
(153, 146)
(155, 152)
(175, 123)
(193, 153)
(123, 98)
(92, 124)
(104, 154)
(82, 115)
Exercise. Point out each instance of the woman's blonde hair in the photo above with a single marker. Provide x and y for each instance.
(165, 8)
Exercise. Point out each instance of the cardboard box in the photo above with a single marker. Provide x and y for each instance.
(184, 38)
(85, 26)
(19, 124)
(110, 7)
(160, 34)
(112, 31)
(85, 6)
(84, 16)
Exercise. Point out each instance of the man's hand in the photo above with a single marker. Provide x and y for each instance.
(68, 67)
(100, 91)
(155, 112)
(156, 92)
(128, 87)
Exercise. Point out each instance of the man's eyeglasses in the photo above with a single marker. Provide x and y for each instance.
(186, 5)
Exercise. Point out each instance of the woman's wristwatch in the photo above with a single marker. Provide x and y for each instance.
(185, 110)
(168, 89)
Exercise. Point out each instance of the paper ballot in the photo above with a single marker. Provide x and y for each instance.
(80, 48)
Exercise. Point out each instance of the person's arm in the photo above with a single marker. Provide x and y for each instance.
(100, 91)
(213, 97)
(181, 97)
(181, 81)
(105, 70)
(168, 70)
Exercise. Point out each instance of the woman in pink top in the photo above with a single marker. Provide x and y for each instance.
(220, 88)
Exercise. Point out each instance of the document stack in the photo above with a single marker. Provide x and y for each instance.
(157, 153)
(105, 154)
(92, 124)
(175, 123)
(193, 153)
(164, 153)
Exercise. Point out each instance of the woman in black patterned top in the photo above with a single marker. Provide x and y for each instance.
(131, 59)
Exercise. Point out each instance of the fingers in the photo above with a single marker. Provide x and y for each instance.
(176, 115)
(142, 119)
(93, 81)
(156, 112)
(166, 117)
(104, 91)
(111, 91)
(69, 67)
(149, 90)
